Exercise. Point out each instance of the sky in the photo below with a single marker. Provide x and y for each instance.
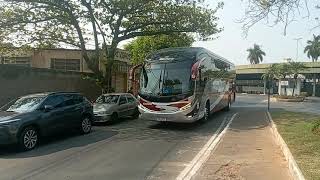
(232, 45)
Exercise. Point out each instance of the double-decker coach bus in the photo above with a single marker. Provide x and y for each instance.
(185, 85)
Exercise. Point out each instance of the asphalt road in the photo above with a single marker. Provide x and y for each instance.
(129, 149)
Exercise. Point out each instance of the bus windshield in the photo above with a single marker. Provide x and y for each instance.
(167, 79)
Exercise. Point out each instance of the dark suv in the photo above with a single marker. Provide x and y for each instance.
(25, 119)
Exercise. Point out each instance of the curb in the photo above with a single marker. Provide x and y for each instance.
(293, 166)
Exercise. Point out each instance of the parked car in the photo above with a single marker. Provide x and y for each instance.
(26, 119)
(113, 106)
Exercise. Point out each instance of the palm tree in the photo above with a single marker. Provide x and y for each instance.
(313, 52)
(255, 54)
(295, 69)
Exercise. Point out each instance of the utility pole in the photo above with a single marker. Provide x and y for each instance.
(269, 87)
(297, 39)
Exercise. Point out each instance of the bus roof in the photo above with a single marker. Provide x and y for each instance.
(194, 50)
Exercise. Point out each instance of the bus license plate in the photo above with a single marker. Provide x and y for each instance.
(161, 119)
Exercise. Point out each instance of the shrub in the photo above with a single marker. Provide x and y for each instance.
(288, 97)
(316, 128)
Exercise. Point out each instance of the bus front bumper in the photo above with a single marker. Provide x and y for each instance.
(178, 117)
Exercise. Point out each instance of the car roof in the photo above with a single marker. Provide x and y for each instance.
(117, 94)
(48, 94)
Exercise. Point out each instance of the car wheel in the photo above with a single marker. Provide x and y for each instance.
(28, 139)
(114, 117)
(86, 125)
(136, 113)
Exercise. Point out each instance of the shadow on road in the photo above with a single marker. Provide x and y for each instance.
(56, 143)
(145, 130)
(250, 118)
(119, 121)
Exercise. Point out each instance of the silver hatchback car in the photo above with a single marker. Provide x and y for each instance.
(110, 107)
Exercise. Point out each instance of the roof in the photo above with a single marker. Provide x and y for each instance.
(117, 94)
(195, 50)
(49, 93)
(311, 68)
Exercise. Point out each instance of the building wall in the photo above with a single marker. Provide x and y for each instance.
(42, 59)
(18, 81)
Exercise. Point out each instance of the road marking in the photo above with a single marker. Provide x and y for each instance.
(205, 152)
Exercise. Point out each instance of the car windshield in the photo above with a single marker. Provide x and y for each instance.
(24, 104)
(107, 99)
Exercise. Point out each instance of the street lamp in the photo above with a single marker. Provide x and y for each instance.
(297, 39)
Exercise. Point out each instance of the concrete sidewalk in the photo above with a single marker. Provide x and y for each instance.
(247, 151)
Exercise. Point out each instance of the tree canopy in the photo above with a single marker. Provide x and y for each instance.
(313, 48)
(142, 46)
(101, 24)
(274, 12)
(255, 54)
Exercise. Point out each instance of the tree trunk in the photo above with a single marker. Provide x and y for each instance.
(111, 51)
(314, 85)
(294, 86)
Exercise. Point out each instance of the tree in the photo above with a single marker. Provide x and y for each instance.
(313, 51)
(105, 23)
(295, 69)
(272, 72)
(283, 71)
(255, 54)
(274, 12)
(142, 46)
(313, 48)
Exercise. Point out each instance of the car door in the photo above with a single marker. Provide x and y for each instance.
(52, 120)
(123, 106)
(73, 110)
(132, 105)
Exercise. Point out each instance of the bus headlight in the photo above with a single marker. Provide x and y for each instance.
(186, 107)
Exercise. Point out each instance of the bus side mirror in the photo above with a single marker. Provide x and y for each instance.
(195, 70)
(145, 75)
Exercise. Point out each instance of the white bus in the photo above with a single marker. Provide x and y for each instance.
(185, 85)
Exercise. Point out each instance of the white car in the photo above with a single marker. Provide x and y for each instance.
(110, 107)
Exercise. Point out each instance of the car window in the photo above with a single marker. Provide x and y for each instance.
(24, 104)
(78, 99)
(123, 100)
(54, 101)
(108, 99)
(130, 99)
(69, 100)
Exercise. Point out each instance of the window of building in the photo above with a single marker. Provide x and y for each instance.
(121, 67)
(19, 61)
(65, 64)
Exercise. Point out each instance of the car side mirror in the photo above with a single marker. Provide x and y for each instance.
(48, 108)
